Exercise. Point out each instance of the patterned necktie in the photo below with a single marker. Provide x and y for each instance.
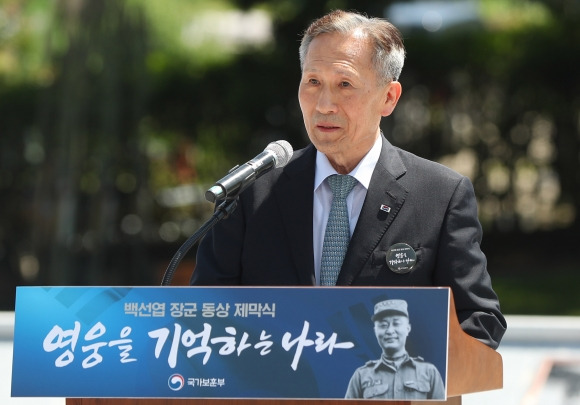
(337, 235)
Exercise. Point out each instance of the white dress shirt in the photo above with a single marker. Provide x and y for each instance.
(323, 196)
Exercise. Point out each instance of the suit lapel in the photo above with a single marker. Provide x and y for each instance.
(384, 194)
(294, 196)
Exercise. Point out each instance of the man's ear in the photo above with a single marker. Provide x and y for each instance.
(392, 95)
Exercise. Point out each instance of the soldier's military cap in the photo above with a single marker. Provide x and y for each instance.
(390, 306)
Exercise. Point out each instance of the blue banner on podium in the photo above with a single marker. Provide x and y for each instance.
(223, 342)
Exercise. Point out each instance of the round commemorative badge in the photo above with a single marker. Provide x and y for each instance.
(401, 258)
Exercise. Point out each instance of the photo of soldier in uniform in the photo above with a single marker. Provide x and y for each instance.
(396, 375)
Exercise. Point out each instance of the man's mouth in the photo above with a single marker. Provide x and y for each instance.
(326, 127)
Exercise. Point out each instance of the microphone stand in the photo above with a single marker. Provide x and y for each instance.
(223, 211)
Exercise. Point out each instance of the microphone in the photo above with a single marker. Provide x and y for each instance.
(277, 154)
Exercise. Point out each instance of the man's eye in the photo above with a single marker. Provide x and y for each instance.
(344, 84)
(313, 81)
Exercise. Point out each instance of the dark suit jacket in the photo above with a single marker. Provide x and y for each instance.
(267, 240)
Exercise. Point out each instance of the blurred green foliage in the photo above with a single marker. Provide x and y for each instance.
(114, 117)
(536, 294)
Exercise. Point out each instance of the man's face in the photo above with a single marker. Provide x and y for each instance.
(391, 332)
(341, 99)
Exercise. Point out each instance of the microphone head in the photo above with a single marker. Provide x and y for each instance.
(282, 150)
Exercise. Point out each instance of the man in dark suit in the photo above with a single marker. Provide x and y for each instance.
(401, 206)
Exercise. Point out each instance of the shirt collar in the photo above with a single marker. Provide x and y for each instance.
(384, 362)
(362, 172)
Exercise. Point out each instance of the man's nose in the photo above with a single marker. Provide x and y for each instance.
(326, 101)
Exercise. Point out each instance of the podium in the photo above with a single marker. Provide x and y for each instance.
(472, 367)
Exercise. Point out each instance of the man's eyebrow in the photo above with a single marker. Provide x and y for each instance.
(337, 71)
(344, 72)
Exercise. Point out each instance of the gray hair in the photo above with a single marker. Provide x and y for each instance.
(389, 52)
